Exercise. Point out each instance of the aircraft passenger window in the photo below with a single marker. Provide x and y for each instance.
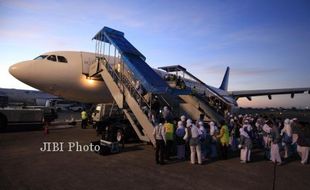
(40, 57)
(52, 58)
(62, 59)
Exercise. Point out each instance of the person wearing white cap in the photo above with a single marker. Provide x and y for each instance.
(213, 133)
(202, 139)
(179, 133)
(245, 146)
(192, 135)
(286, 134)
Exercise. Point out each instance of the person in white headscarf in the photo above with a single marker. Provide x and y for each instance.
(180, 133)
(192, 135)
(245, 146)
(286, 134)
(213, 134)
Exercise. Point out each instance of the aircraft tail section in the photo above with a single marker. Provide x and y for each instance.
(224, 85)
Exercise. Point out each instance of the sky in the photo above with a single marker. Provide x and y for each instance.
(266, 43)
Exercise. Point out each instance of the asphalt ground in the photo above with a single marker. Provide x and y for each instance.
(24, 166)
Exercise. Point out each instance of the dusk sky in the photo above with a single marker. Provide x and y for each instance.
(266, 43)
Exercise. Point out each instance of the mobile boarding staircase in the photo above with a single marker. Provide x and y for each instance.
(124, 70)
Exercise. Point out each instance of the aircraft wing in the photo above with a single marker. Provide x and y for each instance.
(249, 93)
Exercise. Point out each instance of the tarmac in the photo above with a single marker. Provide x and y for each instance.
(24, 166)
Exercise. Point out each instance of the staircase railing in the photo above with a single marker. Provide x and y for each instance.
(125, 81)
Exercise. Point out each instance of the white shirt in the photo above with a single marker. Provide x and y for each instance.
(195, 131)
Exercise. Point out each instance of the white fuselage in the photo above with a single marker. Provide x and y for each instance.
(63, 76)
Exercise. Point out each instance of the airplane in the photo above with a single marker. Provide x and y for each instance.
(61, 73)
(27, 97)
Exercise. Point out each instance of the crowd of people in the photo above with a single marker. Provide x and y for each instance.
(198, 141)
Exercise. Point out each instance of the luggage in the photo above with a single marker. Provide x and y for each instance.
(107, 147)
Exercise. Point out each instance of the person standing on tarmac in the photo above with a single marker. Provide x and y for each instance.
(267, 138)
(203, 140)
(160, 137)
(275, 149)
(179, 135)
(187, 148)
(192, 134)
(213, 144)
(84, 119)
(245, 146)
(224, 139)
(286, 134)
(169, 132)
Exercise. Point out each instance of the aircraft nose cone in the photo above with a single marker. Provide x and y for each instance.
(20, 71)
(14, 70)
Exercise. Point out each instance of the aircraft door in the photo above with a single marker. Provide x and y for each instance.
(86, 62)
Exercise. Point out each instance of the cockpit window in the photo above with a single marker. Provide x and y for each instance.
(62, 59)
(40, 57)
(52, 58)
